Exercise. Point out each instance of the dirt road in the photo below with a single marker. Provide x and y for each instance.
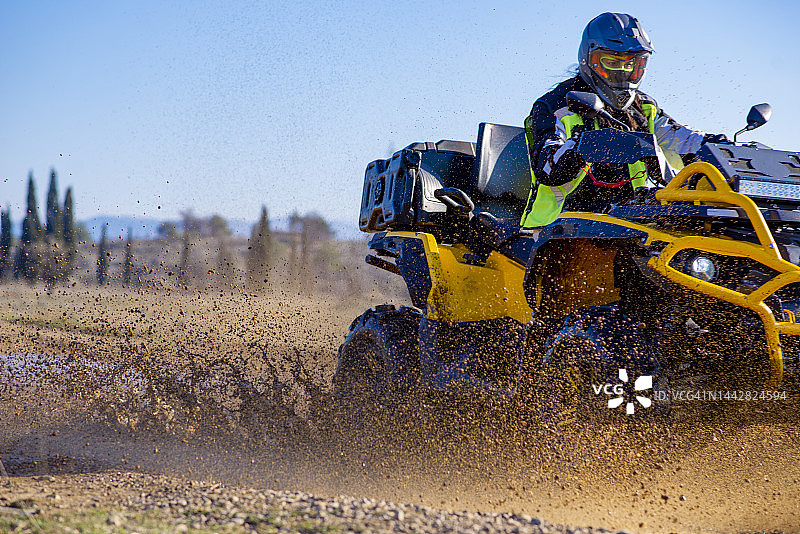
(75, 451)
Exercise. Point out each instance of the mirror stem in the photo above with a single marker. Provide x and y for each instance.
(608, 116)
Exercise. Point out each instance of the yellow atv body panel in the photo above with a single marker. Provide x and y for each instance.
(463, 290)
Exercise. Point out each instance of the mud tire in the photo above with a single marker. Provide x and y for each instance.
(566, 386)
(377, 370)
(591, 348)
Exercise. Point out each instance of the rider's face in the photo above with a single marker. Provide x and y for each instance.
(617, 67)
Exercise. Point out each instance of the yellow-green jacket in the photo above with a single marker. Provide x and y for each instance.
(549, 130)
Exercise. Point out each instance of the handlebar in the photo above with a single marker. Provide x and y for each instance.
(613, 146)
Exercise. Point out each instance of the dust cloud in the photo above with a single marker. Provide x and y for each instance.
(235, 387)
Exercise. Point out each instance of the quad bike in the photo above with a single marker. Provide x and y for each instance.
(693, 283)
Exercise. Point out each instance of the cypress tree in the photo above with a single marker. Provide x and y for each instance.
(219, 227)
(5, 243)
(103, 257)
(317, 254)
(54, 221)
(27, 264)
(33, 211)
(259, 254)
(127, 270)
(70, 235)
(226, 265)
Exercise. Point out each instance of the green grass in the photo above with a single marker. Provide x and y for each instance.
(100, 520)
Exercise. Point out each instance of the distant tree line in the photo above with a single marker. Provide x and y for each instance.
(308, 239)
(309, 250)
(46, 252)
(298, 257)
(214, 226)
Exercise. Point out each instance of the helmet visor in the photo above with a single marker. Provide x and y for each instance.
(618, 68)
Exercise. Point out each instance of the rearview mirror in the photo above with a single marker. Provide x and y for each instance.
(758, 116)
(586, 104)
(589, 105)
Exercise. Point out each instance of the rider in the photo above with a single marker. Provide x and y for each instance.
(612, 59)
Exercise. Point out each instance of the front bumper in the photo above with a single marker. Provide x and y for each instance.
(712, 188)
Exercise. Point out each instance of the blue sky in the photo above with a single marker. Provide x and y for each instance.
(224, 106)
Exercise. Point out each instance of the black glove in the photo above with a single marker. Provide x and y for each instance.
(567, 167)
(716, 138)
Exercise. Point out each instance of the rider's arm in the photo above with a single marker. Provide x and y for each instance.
(553, 159)
(676, 137)
(671, 136)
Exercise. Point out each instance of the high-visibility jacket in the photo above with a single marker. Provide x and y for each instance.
(546, 202)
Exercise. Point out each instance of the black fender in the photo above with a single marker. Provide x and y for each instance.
(411, 262)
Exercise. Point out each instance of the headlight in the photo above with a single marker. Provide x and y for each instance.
(701, 267)
(740, 274)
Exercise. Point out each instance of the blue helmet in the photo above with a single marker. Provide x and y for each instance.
(612, 57)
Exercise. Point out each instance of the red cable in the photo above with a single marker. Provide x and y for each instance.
(595, 181)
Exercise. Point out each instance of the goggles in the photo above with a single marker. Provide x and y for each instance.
(617, 68)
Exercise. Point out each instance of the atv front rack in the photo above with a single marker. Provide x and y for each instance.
(702, 183)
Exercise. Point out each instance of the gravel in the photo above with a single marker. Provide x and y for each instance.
(200, 505)
(208, 504)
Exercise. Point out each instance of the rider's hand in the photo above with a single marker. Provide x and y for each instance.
(570, 158)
